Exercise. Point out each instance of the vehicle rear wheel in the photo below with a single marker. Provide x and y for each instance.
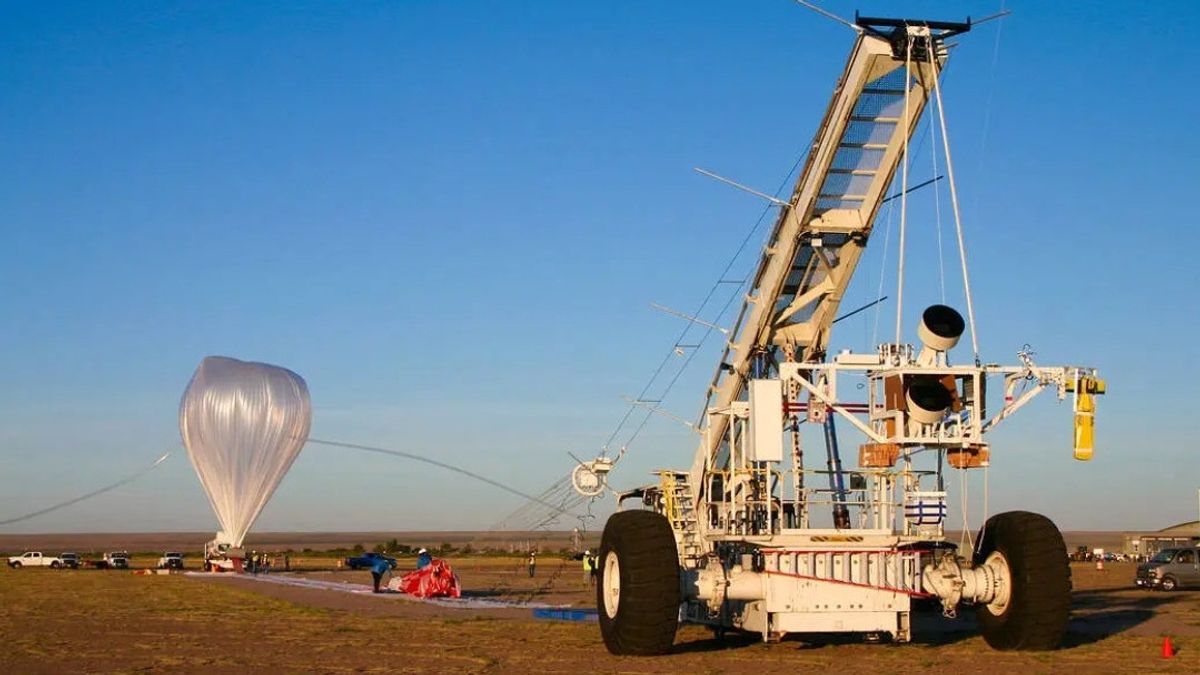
(638, 591)
(16, 565)
(1169, 583)
(55, 565)
(1034, 614)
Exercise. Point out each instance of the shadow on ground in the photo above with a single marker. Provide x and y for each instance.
(929, 628)
(1095, 616)
(1100, 614)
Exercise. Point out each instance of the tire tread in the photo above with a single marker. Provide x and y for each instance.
(1039, 607)
(648, 613)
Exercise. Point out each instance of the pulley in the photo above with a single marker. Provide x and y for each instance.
(591, 478)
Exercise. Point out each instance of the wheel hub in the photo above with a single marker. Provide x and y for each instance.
(988, 584)
(611, 584)
(1001, 582)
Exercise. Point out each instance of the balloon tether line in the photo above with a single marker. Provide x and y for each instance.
(451, 467)
(94, 493)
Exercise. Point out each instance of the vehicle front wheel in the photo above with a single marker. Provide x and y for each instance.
(1033, 614)
(637, 593)
(1169, 583)
(55, 565)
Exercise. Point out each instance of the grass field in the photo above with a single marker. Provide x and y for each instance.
(72, 621)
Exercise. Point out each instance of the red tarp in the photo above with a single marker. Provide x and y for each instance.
(435, 580)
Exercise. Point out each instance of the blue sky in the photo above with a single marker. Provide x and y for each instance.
(450, 219)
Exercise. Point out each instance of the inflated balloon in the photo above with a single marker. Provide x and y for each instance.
(243, 425)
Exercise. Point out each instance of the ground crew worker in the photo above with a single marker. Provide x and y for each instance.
(380, 568)
(532, 563)
(595, 570)
(424, 559)
(587, 567)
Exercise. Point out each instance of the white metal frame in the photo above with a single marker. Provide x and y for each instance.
(749, 556)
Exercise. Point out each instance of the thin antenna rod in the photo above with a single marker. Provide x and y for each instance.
(912, 189)
(756, 193)
(660, 411)
(990, 17)
(687, 317)
(864, 308)
(829, 15)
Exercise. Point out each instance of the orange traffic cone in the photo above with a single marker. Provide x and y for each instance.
(1168, 650)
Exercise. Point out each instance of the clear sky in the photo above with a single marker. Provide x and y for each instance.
(450, 219)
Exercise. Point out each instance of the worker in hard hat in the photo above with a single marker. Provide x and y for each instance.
(424, 559)
(588, 562)
(532, 563)
(381, 567)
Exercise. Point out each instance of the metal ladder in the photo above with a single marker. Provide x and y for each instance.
(679, 506)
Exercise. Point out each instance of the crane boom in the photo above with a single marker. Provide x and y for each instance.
(820, 235)
(731, 543)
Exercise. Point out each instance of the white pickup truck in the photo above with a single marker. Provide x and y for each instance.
(34, 559)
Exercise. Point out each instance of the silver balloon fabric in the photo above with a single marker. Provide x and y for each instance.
(243, 425)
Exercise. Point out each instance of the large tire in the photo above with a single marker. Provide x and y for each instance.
(16, 565)
(55, 565)
(639, 604)
(1039, 605)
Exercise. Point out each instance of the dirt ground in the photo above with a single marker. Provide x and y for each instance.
(95, 621)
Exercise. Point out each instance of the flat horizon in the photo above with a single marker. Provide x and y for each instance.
(327, 540)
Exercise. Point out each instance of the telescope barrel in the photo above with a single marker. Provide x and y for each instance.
(940, 329)
(927, 399)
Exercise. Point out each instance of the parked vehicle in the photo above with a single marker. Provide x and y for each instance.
(1081, 554)
(34, 559)
(368, 560)
(70, 560)
(117, 560)
(171, 561)
(1171, 569)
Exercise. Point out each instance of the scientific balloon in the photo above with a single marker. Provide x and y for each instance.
(243, 425)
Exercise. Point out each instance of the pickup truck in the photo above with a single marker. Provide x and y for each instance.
(118, 560)
(368, 560)
(34, 559)
(70, 560)
(171, 561)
